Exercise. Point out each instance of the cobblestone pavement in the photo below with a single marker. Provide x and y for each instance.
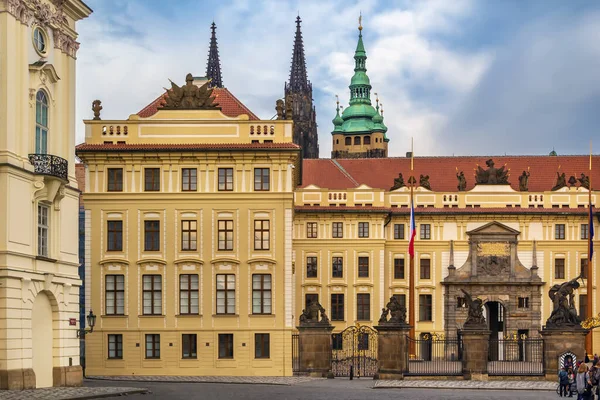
(461, 385)
(70, 393)
(263, 380)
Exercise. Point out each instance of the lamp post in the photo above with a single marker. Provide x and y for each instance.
(91, 320)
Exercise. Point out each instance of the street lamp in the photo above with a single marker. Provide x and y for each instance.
(91, 320)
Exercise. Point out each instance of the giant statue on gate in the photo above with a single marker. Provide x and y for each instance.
(564, 313)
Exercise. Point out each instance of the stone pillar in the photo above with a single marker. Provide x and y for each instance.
(475, 353)
(314, 348)
(67, 376)
(558, 342)
(392, 351)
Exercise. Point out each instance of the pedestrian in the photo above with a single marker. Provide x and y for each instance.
(584, 384)
(563, 381)
(571, 377)
(595, 378)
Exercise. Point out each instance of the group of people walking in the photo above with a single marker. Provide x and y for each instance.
(580, 379)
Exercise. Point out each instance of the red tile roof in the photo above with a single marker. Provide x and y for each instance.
(444, 210)
(380, 172)
(89, 148)
(230, 105)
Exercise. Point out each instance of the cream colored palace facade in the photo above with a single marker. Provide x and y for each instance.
(39, 281)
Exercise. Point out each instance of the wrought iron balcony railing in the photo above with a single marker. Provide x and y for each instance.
(46, 164)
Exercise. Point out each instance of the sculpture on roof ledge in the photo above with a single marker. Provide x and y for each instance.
(524, 181)
(398, 182)
(584, 181)
(189, 96)
(491, 176)
(424, 182)
(462, 181)
(96, 108)
(561, 181)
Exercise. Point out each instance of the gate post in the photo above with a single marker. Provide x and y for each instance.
(392, 348)
(314, 342)
(476, 344)
(560, 341)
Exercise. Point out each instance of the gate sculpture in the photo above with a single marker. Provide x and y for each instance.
(354, 349)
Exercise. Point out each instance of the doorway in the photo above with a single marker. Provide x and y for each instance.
(42, 340)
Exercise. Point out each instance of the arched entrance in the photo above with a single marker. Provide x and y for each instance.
(495, 317)
(41, 327)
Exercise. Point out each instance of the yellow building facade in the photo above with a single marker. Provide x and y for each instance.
(39, 281)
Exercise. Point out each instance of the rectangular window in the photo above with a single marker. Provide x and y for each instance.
(337, 230)
(337, 307)
(115, 346)
(114, 294)
(225, 179)
(337, 267)
(152, 293)
(583, 268)
(115, 179)
(189, 235)
(559, 231)
(153, 346)
(399, 231)
(261, 179)
(225, 294)
(363, 267)
(189, 179)
(425, 268)
(188, 346)
(363, 229)
(115, 235)
(151, 179)
(585, 231)
(398, 268)
(151, 235)
(261, 294)
(559, 268)
(523, 302)
(310, 298)
(43, 229)
(225, 345)
(401, 299)
(425, 232)
(262, 345)
(311, 267)
(225, 235)
(363, 307)
(425, 311)
(461, 302)
(583, 306)
(311, 230)
(188, 294)
(261, 234)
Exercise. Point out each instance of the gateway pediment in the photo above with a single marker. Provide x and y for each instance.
(493, 228)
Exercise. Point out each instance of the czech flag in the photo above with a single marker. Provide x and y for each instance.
(591, 233)
(413, 231)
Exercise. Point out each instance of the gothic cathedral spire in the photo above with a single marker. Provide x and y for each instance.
(298, 78)
(213, 66)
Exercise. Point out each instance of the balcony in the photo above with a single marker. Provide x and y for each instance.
(46, 164)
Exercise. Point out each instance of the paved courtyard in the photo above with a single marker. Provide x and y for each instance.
(87, 392)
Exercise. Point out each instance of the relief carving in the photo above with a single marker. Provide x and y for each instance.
(493, 259)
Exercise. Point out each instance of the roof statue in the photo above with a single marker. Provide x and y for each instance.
(213, 66)
(462, 181)
(398, 182)
(189, 96)
(584, 181)
(561, 181)
(491, 176)
(524, 181)
(96, 108)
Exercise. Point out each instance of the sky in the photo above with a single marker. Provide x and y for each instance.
(460, 77)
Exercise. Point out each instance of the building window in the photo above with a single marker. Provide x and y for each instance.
(261, 294)
(261, 179)
(115, 235)
(425, 312)
(337, 307)
(115, 179)
(363, 307)
(261, 235)
(367, 140)
(461, 302)
(399, 268)
(363, 229)
(401, 299)
(357, 140)
(151, 235)
(337, 230)
(559, 268)
(225, 179)
(262, 345)
(114, 294)
(153, 346)
(311, 230)
(225, 235)
(337, 267)
(399, 231)
(583, 268)
(151, 179)
(311, 267)
(152, 293)
(559, 231)
(41, 122)
(188, 346)
(310, 298)
(115, 346)
(583, 306)
(43, 229)
(188, 235)
(225, 345)
(39, 40)
(348, 141)
(363, 267)
(425, 268)
(523, 302)
(425, 232)
(189, 179)
(225, 294)
(188, 294)
(585, 231)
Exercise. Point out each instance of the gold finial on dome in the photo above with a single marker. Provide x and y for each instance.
(360, 22)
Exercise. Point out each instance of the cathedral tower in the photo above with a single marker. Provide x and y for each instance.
(213, 66)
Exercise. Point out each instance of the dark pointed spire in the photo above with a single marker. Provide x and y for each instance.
(213, 66)
(298, 77)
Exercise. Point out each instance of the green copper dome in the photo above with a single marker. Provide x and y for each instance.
(337, 121)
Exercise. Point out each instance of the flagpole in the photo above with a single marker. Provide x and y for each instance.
(411, 270)
(589, 340)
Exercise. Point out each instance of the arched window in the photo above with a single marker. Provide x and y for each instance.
(367, 140)
(41, 122)
(357, 140)
(348, 141)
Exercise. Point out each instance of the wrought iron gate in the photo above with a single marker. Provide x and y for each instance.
(354, 349)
